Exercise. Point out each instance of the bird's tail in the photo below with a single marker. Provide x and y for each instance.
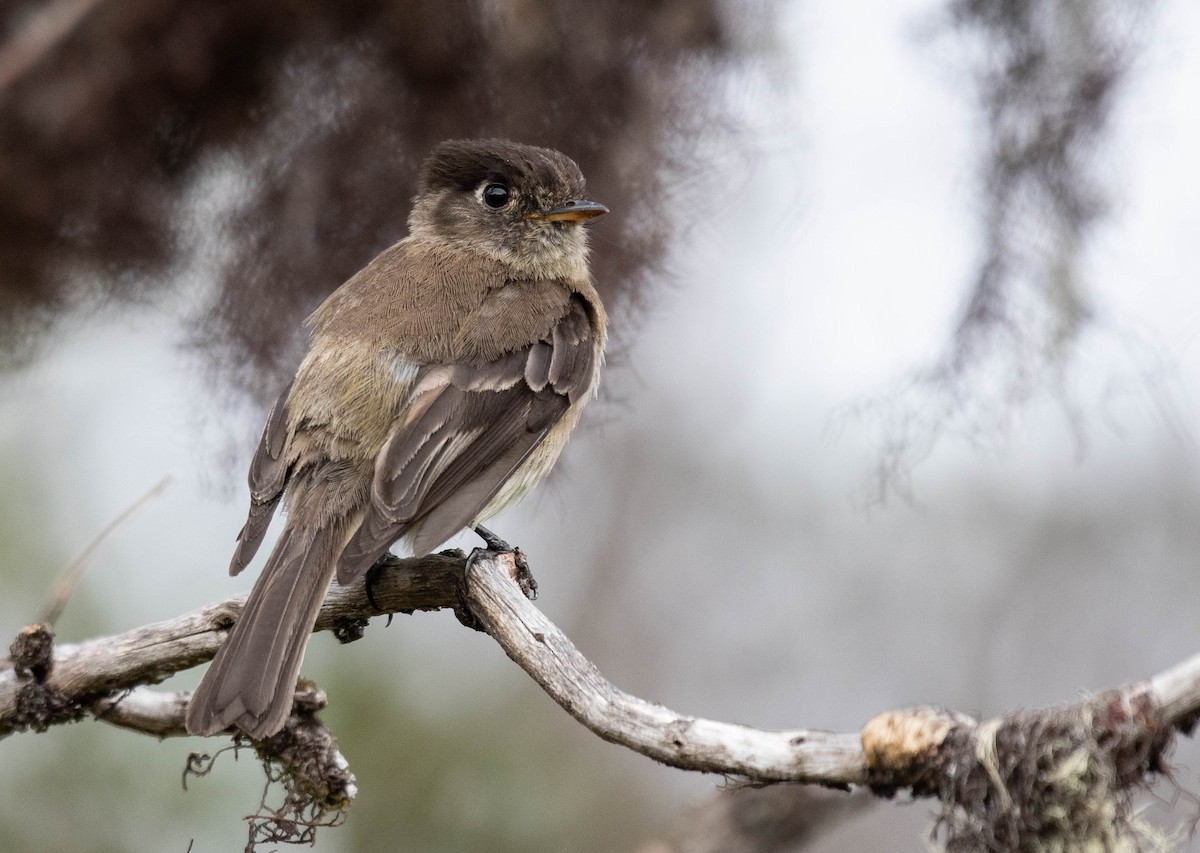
(251, 681)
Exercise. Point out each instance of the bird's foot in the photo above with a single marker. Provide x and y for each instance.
(524, 577)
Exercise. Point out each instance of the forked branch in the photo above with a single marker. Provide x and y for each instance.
(986, 770)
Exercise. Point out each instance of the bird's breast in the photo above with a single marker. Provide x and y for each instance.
(347, 394)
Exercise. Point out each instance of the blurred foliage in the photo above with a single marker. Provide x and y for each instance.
(270, 149)
(1047, 76)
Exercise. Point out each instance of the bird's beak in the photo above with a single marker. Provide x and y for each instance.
(573, 211)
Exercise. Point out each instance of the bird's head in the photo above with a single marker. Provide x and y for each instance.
(521, 205)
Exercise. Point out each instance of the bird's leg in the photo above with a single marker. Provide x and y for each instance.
(387, 561)
(495, 544)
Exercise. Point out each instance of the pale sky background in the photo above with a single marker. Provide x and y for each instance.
(830, 264)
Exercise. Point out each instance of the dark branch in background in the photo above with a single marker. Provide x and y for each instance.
(777, 819)
(266, 151)
(1047, 77)
(1064, 775)
(38, 36)
(1048, 83)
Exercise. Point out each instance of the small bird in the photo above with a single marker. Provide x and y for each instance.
(439, 386)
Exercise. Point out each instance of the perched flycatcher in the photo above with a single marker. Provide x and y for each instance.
(440, 384)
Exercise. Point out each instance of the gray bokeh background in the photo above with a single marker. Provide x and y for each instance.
(716, 540)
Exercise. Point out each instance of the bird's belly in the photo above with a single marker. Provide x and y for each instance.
(535, 467)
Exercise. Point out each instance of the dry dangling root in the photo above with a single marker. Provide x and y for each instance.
(303, 759)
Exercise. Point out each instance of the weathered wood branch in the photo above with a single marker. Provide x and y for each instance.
(928, 750)
(691, 743)
(79, 674)
(93, 676)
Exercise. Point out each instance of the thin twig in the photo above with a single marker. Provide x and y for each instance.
(65, 585)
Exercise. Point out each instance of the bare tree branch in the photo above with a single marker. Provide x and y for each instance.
(691, 743)
(1083, 759)
(149, 712)
(80, 673)
(1177, 692)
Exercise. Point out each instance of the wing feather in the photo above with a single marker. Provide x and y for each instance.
(269, 471)
(537, 366)
(466, 434)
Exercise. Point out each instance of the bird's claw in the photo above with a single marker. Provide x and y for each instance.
(496, 545)
(381, 565)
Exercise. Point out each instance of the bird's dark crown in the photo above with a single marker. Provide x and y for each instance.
(465, 164)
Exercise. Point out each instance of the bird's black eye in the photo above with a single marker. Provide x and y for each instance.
(495, 195)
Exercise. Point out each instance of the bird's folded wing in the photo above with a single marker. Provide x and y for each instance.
(466, 430)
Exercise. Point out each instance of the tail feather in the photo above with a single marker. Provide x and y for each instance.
(252, 679)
